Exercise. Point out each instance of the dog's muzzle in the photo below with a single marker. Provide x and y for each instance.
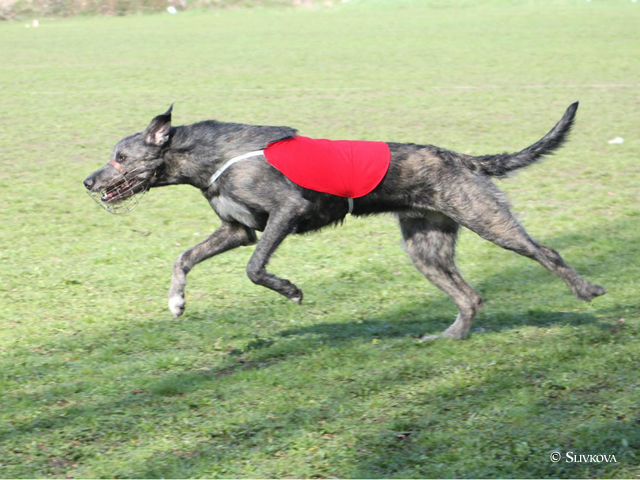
(123, 193)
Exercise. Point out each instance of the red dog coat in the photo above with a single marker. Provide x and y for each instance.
(345, 168)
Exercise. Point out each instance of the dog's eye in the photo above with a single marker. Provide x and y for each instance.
(121, 157)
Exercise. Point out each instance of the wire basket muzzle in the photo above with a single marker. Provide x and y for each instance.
(122, 194)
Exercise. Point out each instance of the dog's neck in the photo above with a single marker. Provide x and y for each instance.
(195, 152)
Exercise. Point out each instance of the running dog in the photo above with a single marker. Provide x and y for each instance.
(431, 190)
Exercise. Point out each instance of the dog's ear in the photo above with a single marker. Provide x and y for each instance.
(157, 133)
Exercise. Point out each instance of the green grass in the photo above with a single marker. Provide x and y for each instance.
(98, 380)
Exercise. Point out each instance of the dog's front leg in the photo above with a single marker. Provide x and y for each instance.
(278, 227)
(227, 237)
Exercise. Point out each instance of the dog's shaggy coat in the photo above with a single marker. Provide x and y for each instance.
(432, 191)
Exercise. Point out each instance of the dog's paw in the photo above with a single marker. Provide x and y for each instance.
(297, 297)
(588, 291)
(597, 290)
(430, 338)
(177, 305)
(450, 333)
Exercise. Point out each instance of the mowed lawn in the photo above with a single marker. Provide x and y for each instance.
(98, 380)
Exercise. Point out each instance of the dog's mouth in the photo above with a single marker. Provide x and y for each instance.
(122, 194)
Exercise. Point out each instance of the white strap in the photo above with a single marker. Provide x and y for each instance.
(221, 170)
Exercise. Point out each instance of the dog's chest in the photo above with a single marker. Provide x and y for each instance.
(232, 211)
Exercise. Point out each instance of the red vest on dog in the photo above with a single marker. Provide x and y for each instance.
(345, 168)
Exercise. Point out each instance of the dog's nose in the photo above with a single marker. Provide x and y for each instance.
(88, 183)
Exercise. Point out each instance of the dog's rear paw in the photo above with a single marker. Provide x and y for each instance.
(451, 333)
(588, 291)
(177, 305)
(430, 338)
(598, 290)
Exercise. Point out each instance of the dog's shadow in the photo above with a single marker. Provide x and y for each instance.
(414, 324)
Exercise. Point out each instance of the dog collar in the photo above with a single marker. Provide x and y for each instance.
(256, 153)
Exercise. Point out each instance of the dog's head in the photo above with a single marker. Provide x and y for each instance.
(133, 168)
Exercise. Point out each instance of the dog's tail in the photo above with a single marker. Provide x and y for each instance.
(504, 163)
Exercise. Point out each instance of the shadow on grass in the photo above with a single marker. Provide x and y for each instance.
(385, 455)
(472, 429)
(429, 448)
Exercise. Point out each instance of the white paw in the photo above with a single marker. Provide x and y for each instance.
(430, 338)
(176, 305)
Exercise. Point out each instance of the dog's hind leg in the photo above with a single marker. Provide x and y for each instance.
(279, 225)
(227, 237)
(430, 241)
(486, 212)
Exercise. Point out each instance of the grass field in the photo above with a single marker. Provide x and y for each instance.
(98, 380)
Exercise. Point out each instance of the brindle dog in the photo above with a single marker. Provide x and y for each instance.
(432, 191)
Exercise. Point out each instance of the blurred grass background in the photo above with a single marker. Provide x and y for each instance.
(19, 9)
(98, 380)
